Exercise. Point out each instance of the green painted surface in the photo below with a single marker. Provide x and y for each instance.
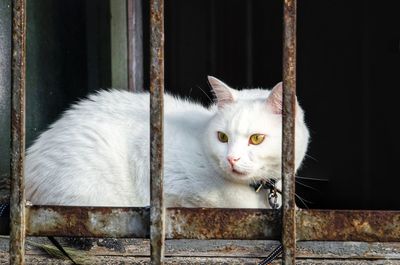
(5, 88)
(119, 44)
(68, 55)
(56, 60)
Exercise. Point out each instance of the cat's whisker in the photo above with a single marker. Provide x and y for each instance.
(303, 201)
(305, 185)
(313, 158)
(254, 180)
(211, 101)
(315, 179)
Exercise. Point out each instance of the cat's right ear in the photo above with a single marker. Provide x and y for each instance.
(223, 93)
(274, 100)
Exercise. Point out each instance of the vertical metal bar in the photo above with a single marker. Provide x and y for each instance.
(157, 211)
(17, 200)
(288, 128)
(135, 45)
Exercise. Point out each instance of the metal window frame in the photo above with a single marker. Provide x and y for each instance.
(177, 223)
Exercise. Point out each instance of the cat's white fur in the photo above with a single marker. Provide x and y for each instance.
(97, 153)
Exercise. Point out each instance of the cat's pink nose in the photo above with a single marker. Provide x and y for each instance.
(232, 160)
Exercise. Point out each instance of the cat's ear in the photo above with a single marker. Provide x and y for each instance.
(274, 100)
(224, 94)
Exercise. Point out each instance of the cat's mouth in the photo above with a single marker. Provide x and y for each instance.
(237, 172)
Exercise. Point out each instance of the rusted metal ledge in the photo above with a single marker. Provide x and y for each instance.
(346, 225)
(191, 223)
(213, 223)
(288, 132)
(87, 221)
(17, 199)
(157, 211)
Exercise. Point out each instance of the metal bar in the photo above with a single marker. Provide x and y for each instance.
(135, 45)
(87, 221)
(191, 223)
(288, 132)
(346, 225)
(220, 223)
(17, 199)
(157, 211)
(200, 223)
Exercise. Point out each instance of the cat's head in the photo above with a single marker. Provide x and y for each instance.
(244, 137)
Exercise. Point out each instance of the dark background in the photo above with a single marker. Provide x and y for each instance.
(348, 75)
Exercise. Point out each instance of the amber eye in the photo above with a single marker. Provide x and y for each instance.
(222, 137)
(256, 138)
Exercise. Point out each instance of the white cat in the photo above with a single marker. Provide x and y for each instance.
(97, 153)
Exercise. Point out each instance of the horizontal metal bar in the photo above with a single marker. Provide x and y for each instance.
(87, 221)
(191, 223)
(212, 223)
(348, 225)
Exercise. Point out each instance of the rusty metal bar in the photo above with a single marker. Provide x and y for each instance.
(135, 45)
(17, 199)
(190, 223)
(288, 132)
(209, 223)
(346, 225)
(87, 221)
(157, 211)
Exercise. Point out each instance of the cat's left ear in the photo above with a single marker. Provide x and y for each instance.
(274, 100)
(224, 94)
